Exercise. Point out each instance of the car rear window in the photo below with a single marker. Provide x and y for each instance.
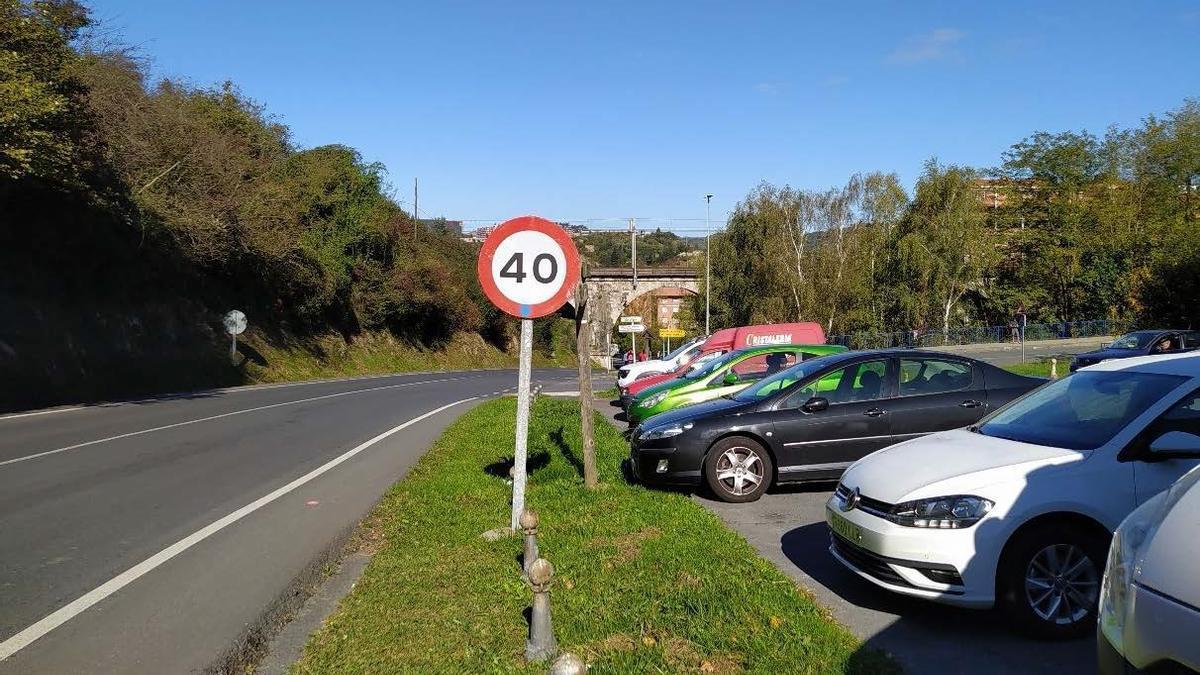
(1080, 412)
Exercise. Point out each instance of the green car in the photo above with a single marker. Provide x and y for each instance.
(727, 374)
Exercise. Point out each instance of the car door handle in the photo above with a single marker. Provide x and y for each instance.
(875, 412)
(970, 403)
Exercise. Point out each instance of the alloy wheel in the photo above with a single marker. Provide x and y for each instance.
(1062, 584)
(739, 470)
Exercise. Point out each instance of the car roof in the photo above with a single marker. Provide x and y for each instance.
(777, 348)
(1164, 364)
(920, 352)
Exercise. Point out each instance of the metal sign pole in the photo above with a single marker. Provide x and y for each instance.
(520, 448)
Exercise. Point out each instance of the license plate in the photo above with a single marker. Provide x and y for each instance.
(844, 528)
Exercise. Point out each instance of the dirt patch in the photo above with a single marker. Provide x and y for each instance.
(628, 545)
(613, 644)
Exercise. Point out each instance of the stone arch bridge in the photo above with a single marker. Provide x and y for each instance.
(609, 290)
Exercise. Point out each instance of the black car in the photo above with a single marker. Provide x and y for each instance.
(810, 422)
(1140, 343)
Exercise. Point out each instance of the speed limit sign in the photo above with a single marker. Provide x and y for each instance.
(528, 266)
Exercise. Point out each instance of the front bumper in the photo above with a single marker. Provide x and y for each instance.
(940, 565)
(682, 464)
(1159, 635)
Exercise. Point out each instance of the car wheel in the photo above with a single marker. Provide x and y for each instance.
(738, 470)
(1050, 580)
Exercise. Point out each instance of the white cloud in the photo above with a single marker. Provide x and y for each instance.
(931, 46)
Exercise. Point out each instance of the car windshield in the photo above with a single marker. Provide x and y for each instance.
(1136, 340)
(708, 367)
(1080, 412)
(781, 380)
(678, 350)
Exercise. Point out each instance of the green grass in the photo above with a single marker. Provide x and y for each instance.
(645, 581)
(1039, 368)
(278, 359)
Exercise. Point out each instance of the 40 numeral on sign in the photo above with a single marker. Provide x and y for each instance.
(513, 269)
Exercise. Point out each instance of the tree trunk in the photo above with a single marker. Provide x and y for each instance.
(946, 319)
(583, 347)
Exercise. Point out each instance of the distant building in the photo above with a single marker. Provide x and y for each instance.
(478, 235)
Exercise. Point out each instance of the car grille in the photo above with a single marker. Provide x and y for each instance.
(866, 562)
(874, 507)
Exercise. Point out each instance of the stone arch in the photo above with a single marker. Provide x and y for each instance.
(608, 291)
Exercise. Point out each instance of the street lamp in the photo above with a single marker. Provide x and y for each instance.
(707, 259)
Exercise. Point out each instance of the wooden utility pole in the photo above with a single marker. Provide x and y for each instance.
(583, 347)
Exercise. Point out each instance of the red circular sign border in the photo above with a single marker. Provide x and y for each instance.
(483, 266)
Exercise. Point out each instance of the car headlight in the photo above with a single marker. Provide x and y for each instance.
(654, 400)
(1119, 571)
(668, 431)
(946, 513)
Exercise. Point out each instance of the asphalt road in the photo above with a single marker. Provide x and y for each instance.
(147, 536)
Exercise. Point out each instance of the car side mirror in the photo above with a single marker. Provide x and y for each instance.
(815, 404)
(730, 378)
(1175, 445)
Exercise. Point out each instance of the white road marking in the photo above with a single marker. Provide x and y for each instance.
(234, 390)
(217, 417)
(81, 604)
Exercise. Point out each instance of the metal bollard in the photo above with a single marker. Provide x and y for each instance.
(529, 523)
(541, 644)
(1054, 369)
(568, 664)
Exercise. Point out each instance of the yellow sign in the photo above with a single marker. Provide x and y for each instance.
(671, 333)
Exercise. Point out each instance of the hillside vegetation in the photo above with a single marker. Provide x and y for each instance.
(134, 213)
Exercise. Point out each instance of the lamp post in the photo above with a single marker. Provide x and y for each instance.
(707, 260)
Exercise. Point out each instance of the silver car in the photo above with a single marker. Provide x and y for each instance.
(1150, 597)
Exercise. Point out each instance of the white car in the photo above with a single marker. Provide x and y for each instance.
(626, 374)
(1150, 599)
(1018, 509)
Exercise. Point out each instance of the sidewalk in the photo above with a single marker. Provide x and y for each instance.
(1009, 353)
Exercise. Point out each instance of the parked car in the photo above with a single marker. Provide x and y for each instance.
(812, 421)
(730, 339)
(1150, 597)
(683, 354)
(723, 376)
(1018, 509)
(1140, 343)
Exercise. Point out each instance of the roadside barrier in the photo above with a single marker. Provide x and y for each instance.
(529, 523)
(541, 644)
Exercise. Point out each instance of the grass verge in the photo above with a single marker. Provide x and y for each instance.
(1039, 368)
(280, 360)
(645, 581)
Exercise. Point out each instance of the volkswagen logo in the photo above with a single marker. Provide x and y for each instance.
(851, 500)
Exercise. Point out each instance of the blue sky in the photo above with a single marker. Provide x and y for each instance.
(577, 110)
